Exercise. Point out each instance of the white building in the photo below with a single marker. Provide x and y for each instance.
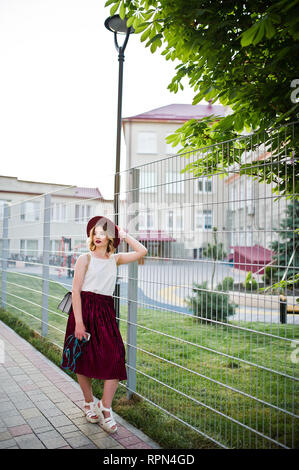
(71, 208)
(177, 211)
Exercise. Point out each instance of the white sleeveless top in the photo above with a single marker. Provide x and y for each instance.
(101, 275)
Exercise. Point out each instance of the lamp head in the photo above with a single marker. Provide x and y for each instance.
(117, 25)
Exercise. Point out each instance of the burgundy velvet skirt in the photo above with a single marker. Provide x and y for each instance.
(103, 357)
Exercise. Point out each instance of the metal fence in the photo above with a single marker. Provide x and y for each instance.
(208, 338)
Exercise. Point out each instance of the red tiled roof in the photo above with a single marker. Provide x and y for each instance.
(179, 112)
(88, 193)
(254, 253)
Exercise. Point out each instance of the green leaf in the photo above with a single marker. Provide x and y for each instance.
(122, 11)
(260, 34)
(114, 8)
(155, 45)
(145, 35)
(270, 30)
(141, 27)
(130, 21)
(109, 2)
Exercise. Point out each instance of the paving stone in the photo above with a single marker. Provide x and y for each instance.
(117, 446)
(89, 428)
(24, 405)
(18, 396)
(103, 442)
(89, 446)
(76, 433)
(38, 422)
(7, 444)
(51, 412)
(122, 432)
(20, 430)
(59, 420)
(13, 420)
(43, 429)
(78, 441)
(45, 405)
(30, 413)
(29, 387)
(65, 405)
(4, 436)
(79, 420)
(6, 406)
(36, 395)
(126, 441)
(15, 371)
(22, 379)
(67, 429)
(52, 439)
(30, 441)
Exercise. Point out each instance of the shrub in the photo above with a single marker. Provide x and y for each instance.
(226, 284)
(250, 283)
(209, 304)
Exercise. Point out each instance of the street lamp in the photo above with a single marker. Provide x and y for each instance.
(118, 26)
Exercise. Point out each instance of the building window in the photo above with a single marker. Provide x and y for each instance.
(203, 185)
(174, 183)
(30, 211)
(29, 247)
(147, 142)
(2, 204)
(82, 212)
(203, 219)
(174, 220)
(58, 212)
(146, 219)
(148, 181)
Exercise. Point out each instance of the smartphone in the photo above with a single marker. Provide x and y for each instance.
(87, 336)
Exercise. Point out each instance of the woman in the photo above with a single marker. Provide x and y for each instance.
(92, 312)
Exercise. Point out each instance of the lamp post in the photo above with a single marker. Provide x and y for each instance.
(118, 26)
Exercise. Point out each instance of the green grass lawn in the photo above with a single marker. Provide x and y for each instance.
(203, 374)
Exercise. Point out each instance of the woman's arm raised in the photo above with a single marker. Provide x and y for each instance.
(140, 250)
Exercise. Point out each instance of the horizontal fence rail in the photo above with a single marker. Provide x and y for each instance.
(209, 317)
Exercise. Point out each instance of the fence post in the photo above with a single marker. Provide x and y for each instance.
(132, 290)
(46, 257)
(4, 254)
(283, 308)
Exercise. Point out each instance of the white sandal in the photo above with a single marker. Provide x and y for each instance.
(91, 412)
(109, 422)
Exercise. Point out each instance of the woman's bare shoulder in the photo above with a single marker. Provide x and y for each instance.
(83, 258)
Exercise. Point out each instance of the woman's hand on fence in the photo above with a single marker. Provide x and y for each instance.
(80, 331)
(121, 233)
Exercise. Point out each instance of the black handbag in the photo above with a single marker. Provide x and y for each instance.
(66, 303)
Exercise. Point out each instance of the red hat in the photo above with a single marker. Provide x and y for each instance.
(103, 221)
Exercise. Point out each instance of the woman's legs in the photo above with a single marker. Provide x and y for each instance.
(85, 384)
(110, 387)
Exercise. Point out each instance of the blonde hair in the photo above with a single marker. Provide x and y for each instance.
(110, 248)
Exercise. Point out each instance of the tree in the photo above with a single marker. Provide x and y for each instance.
(246, 55)
(207, 304)
(214, 251)
(287, 247)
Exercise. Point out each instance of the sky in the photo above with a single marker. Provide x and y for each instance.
(58, 91)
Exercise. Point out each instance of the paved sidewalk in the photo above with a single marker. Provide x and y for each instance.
(41, 406)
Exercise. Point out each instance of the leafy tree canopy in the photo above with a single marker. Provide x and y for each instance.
(246, 55)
